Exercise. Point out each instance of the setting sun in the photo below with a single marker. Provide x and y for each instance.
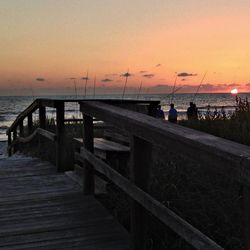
(234, 91)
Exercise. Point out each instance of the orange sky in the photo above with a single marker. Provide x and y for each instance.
(59, 39)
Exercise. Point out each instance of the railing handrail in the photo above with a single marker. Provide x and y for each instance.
(46, 102)
(181, 227)
(39, 131)
(30, 109)
(229, 158)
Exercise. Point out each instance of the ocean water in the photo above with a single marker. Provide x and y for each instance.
(11, 106)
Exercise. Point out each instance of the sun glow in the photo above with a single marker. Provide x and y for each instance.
(234, 91)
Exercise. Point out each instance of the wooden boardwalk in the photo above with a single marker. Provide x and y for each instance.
(41, 209)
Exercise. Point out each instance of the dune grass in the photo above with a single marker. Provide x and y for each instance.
(234, 126)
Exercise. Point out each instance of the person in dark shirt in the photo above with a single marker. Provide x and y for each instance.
(195, 112)
(159, 113)
(172, 113)
(192, 111)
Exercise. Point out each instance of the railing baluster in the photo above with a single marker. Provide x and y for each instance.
(141, 161)
(14, 138)
(88, 142)
(30, 123)
(42, 117)
(9, 143)
(21, 128)
(59, 136)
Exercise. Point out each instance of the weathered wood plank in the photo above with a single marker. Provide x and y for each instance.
(220, 155)
(50, 212)
(106, 145)
(84, 234)
(31, 203)
(104, 241)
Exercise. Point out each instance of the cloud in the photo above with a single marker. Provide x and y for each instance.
(85, 78)
(108, 75)
(148, 75)
(208, 86)
(158, 65)
(162, 86)
(143, 71)
(248, 85)
(183, 79)
(40, 79)
(185, 74)
(233, 85)
(71, 78)
(106, 80)
(127, 74)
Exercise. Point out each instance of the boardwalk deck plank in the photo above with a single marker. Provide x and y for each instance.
(40, 209)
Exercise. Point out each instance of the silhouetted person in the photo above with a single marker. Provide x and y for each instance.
(195, 112)
(192, 112)
(172, 113)
(159, 113)
(223, 113)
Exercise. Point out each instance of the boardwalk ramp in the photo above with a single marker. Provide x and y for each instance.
(41, 209)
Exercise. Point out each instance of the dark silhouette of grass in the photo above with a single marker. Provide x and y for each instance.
(235, 126)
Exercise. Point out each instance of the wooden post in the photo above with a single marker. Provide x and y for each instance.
(21, 128)
(246, 216)
(141, 161)
(9, 143)
(152, 109)
(14, 138)
(59, 136)
(30, 123)
(42, 117)
(88, 142)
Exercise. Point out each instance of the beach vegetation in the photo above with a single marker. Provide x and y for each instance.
(233, 126)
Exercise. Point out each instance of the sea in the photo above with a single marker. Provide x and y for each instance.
(11, 106)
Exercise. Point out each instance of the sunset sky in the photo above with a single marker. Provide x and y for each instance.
(45, 43)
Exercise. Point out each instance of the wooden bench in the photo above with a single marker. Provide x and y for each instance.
(114, 153)
(104, 148)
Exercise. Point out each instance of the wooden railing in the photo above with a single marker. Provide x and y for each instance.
(220, 156)
(18, 125)
(15, 138)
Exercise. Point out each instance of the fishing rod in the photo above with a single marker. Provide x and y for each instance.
(76, 108)
(75, 88)
(125, 84)
(199, 86)
(32, 92)
(94, 85)
(86, 82)
(173, 91)
(139, 92)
